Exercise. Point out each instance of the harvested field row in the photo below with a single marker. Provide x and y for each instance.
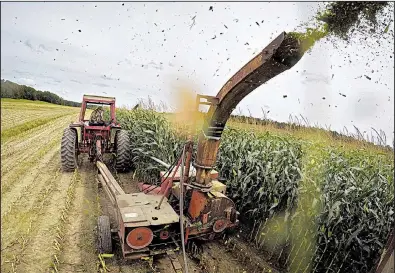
(78, 242)
(26, 154)
(36, 195)
(17, 148)
(13, 118)
(17, 121)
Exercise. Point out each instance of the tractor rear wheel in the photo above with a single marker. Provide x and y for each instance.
(122, 146)
(68, 150)
(104, 243)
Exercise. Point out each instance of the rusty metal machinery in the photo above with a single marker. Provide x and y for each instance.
(272, 61)
(141, 227)
(208, 210)
(190, 201)
(211, 210)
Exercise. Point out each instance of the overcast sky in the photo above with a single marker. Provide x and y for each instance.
(136, 50)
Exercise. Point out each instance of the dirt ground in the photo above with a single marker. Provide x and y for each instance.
(48, 217)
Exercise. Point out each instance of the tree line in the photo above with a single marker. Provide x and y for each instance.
(13, 90)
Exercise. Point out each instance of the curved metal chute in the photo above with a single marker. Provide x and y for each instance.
(280, 55)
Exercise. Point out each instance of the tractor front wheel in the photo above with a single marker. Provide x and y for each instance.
(122, 145)
(68, 150)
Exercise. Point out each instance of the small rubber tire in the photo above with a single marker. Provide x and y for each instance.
(68, 150)
(122, 146)
(104, 241)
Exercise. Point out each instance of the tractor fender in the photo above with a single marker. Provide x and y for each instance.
(74, 127)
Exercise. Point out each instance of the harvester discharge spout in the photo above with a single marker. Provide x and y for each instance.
(280, 55)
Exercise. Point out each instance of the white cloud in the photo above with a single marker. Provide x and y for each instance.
(26, 81)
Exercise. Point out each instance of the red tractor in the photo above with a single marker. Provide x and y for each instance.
(95, 137)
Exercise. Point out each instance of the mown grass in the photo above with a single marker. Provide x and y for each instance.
(25, 225)
(22, 169)
(15, 131)
(60, 226)
(5, 102)
(32, 114)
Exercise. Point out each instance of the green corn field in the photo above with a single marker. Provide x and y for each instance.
(314, 205)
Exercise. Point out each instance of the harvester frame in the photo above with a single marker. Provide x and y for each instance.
(157, 212)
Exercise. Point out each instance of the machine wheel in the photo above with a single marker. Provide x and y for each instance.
(68, 150)
(139, 238)
(122, 145)
(104, 243)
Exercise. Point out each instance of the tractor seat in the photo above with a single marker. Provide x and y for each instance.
(100, 123)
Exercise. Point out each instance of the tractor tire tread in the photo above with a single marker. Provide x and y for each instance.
(104, 235)
(123, 159)
(68, 150)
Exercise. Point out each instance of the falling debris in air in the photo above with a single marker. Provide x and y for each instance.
(193, 22)
(79, 30)
(369, 78)
(342, 95)
(284, 96)
(211, 8)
